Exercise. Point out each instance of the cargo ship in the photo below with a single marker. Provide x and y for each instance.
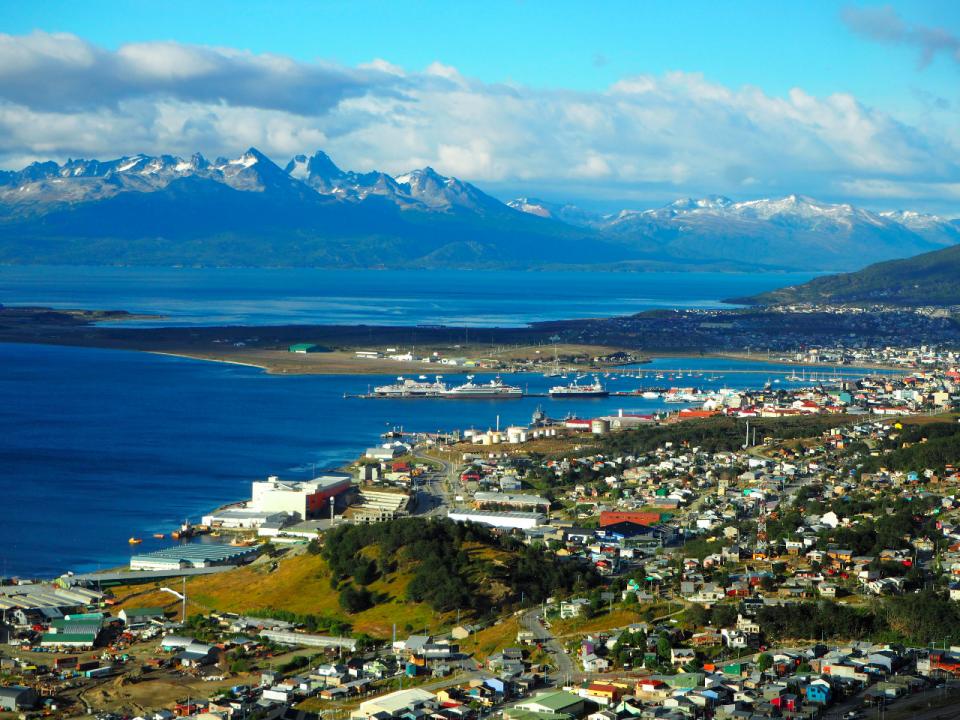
(407, 388)
(496, 389)
(575, 390)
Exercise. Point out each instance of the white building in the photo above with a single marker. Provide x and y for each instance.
(395, 704)
(305, 499)
(511, 520)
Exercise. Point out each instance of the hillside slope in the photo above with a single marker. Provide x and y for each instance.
(929, 279)
(410, 572)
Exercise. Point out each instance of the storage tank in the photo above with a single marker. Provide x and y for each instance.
(599, 426)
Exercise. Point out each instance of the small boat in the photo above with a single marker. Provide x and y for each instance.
(159, 536)
(135, 541)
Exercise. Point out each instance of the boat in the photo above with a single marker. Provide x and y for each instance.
(496, 389)
(135, 541)
(159, 536)
(407, 388)
(186, 531)
(575, 390)
(649, 395)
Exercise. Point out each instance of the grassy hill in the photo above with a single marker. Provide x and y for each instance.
(418, 574)
(929, 279)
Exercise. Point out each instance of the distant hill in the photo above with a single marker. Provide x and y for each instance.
(929, 279)
(249, 211)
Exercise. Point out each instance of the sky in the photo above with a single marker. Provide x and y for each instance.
(609, 105)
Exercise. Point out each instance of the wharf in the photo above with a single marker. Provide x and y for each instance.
(374, 396)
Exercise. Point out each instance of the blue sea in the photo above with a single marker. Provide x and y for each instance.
(100, 445)
(238, 296)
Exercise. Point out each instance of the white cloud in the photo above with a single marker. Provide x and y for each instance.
(645, 136)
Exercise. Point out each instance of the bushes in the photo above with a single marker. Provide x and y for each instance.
(915, 618)
(355, 600)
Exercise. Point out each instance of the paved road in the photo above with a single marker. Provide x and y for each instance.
(433, 494)
(564, 668)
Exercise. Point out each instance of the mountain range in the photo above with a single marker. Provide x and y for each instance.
(250, 211)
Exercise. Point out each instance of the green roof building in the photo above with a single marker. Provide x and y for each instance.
(554, 703)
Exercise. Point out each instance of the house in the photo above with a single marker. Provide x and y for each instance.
(682, 656)
(818, 692)
(593, 663)
(573, 608)
(133, 617)
(16, 697)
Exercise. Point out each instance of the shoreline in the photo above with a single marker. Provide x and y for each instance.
(390, 367)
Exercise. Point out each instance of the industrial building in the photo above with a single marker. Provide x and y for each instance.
(505, 520)
(305, 499)
(379, 506)
(17, 697)
(296, 638)
(195, 555)
(43, 601)
(517, 500)
(395, 704)
(243, 519)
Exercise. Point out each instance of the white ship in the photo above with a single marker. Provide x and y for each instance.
(407, 388)
(496, 389)
(575, 390)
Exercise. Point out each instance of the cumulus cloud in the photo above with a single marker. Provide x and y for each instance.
(645, 137)
(57, 71)
(883, 24)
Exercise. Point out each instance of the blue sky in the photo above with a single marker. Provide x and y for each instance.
(552, 51)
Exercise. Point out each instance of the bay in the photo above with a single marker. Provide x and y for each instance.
(100, 445)
(260, 296)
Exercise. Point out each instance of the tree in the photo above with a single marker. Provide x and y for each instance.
(355, 600)
(663, 647)
(764, 662)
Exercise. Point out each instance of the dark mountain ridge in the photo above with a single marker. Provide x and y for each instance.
(249, 211)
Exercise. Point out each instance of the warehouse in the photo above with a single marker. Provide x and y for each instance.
(402, 702)
(295, 638)
(25, 604)
(517, 500)
(242, 519)
(17, 697)
(195, 555)
(505, 520)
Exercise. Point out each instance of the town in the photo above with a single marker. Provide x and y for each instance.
(778, 552)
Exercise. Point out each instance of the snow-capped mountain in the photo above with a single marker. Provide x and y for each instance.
(248, 210)
(564, 212)
(793, 231)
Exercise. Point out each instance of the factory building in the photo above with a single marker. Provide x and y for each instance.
(305, 499)
(195, 555)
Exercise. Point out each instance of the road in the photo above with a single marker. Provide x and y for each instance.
(564, 668)
(433, 495)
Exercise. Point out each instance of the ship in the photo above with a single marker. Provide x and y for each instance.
(496, 389)
(134, 541)
(575, 390)
(407, 388)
